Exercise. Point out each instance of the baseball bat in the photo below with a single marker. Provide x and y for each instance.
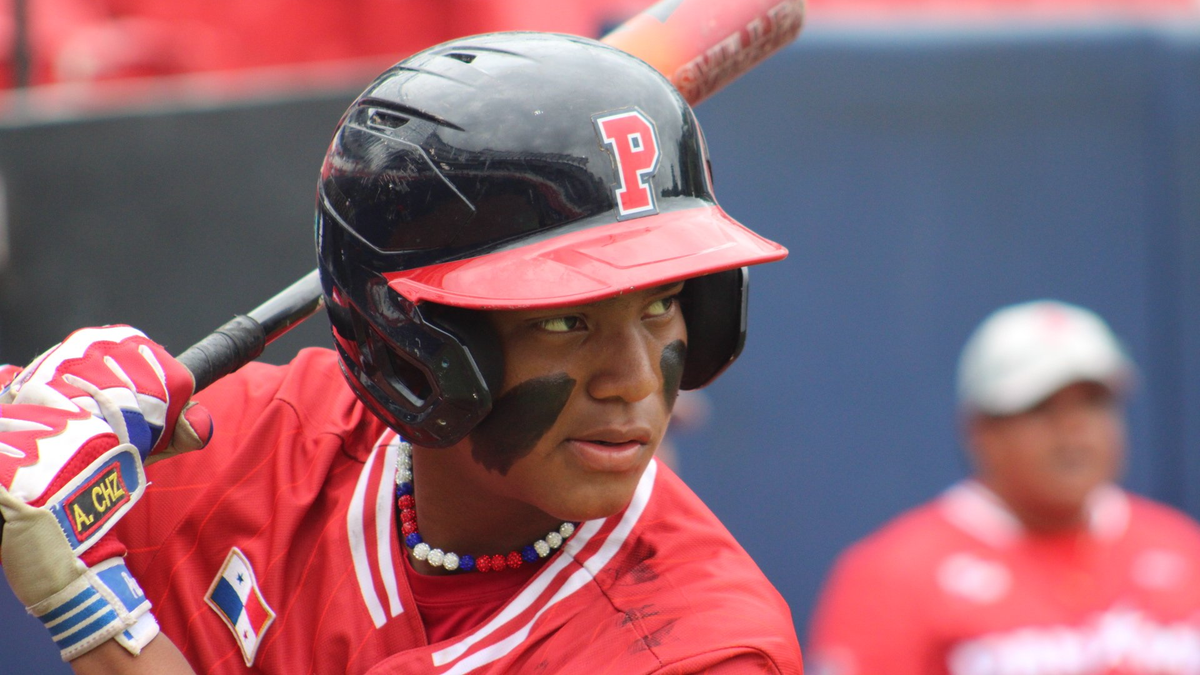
(699, 45)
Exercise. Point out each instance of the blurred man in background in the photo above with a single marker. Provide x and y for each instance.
(1038, 563)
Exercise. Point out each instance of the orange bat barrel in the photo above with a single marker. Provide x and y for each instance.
(702, 45)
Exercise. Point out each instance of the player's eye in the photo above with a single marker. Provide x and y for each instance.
(560, 324)
(661, 306)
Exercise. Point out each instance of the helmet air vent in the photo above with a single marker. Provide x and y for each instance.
(386, 119)
(461, 56)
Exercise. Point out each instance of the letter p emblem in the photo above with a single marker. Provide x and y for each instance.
(629, 136)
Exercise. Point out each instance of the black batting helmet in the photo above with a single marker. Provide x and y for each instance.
(508, 171)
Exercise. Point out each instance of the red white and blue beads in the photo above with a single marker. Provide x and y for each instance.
(436, 557)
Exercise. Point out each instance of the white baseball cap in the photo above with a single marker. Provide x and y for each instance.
(1022, 354)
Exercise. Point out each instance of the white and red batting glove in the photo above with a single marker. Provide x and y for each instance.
(76, 426)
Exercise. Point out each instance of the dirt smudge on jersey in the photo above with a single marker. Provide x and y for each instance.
(636, 569)
(653, 639)
(637, 614)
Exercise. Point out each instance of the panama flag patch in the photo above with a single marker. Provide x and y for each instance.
(235, 597)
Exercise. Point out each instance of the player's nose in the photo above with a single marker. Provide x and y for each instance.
(625, 365)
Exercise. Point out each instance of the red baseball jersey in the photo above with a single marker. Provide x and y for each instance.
(275, 550)
(958, 587)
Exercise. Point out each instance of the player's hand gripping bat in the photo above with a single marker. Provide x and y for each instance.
(700, 45)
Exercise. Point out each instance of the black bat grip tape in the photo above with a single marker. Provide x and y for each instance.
(223, 351)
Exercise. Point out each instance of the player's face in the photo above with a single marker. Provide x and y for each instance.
(1045, 462)
(587, 394)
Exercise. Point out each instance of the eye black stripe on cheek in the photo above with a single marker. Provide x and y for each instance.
(671, 365)
(518, 420)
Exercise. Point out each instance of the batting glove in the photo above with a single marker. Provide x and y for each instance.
(117, 373)
(75, 427)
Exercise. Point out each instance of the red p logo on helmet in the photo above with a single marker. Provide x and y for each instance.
(629, 135)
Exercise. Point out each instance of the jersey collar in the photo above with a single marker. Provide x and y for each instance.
(979, 512)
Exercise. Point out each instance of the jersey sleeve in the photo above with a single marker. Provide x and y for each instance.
(869, 620)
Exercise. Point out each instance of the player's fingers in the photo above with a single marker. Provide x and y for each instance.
(8, 373)
(42, 449)
(143, 393)
(196, 427)
(172, 375)
(178, 386)
(37, 394)
(121, 367)
(114, 405)
(193, 431)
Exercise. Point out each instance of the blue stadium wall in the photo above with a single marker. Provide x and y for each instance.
(920, 178)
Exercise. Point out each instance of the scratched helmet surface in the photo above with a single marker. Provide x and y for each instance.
(511, 171)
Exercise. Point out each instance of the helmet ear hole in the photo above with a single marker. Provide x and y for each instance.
(390, 370)
(714, 308)
(476, 333)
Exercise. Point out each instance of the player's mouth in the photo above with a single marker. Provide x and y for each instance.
(610, 450)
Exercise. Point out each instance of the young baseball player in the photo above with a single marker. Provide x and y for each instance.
(1039, 563)
(523, 264)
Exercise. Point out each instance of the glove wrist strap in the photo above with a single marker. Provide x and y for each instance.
(135, 638)
(102, 603)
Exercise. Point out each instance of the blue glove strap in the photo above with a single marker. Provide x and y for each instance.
(103, 603)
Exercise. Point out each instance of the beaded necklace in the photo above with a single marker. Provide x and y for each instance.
(452, 561)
